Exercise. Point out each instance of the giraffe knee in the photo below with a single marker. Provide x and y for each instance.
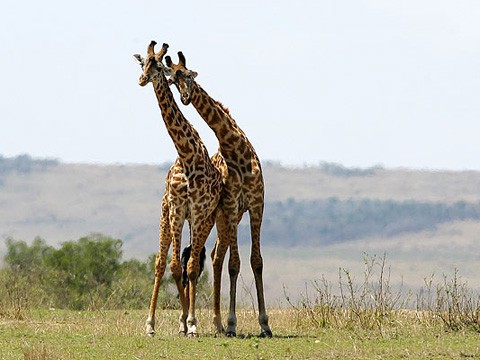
(193, 273)
(159, 267)
(159, 270)
(193, 269)
(257, 265)
(234, 268)
(176, 270)
(233, 272)
(193, 276)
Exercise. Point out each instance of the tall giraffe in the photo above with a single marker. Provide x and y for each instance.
(243, 190)
(192, 193)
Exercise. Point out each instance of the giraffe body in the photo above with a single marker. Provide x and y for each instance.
(192, 192)
(243, 191)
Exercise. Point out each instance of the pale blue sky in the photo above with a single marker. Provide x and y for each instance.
(358, 82)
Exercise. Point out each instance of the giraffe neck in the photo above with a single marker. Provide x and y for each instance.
(228, 133)
(186, 139)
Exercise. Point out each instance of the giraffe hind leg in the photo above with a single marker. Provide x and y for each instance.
(256, 263)
(233, 271)
(218, 257)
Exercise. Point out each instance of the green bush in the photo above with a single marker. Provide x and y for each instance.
(85, 274)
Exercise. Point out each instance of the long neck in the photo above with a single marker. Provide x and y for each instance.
(184, 136)
(228, 133)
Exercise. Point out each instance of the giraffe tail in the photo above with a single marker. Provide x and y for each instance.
(185, 257)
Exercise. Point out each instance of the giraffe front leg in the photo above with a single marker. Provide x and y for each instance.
(150, 323)
(199, 232)
(193, 269)
(160, 264)
(182, 320)
(177, 220)
(191, 319)
(176, 270)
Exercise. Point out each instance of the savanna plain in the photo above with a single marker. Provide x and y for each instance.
(59, 334)
(349, 319)
(358, 264)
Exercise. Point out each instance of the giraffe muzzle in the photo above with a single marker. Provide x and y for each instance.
(143, 80)
(185, 99)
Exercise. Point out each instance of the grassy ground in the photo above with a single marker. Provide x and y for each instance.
(59, 334)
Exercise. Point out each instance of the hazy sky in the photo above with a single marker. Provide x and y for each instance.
(358, 82)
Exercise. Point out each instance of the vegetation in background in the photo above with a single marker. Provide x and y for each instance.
(333, 169)
(85, 274)
(339, 170)
(25, 164)
(332, 220)
(319, 205)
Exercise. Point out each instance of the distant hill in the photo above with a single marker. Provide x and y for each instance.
(321, 205)
(321, 215)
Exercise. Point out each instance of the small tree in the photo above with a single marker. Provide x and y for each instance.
(83, 274)
(22, 278)
(21, 256)
(85, 269)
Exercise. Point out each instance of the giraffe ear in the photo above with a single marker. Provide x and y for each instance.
(140, 60)
(193, 74)
(167, 71)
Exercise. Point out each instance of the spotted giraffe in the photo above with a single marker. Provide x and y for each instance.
(243, 191)
(193, 187)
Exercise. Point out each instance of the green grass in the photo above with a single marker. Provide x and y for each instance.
(59, 334)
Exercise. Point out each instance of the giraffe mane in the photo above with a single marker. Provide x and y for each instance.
(224, 108)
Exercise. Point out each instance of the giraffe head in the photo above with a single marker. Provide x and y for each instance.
(152, 65)
(181, 77)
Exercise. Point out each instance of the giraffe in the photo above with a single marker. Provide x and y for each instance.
(243, 190)
(192, 193)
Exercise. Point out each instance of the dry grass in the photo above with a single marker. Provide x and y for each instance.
(357, 316)
(365, 320)
(119, 334)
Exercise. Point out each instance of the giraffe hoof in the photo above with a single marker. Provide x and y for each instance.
(220, 333)
(182, 333)
(266, 334)
(192, 335)
(149, 331)
(231, 334)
